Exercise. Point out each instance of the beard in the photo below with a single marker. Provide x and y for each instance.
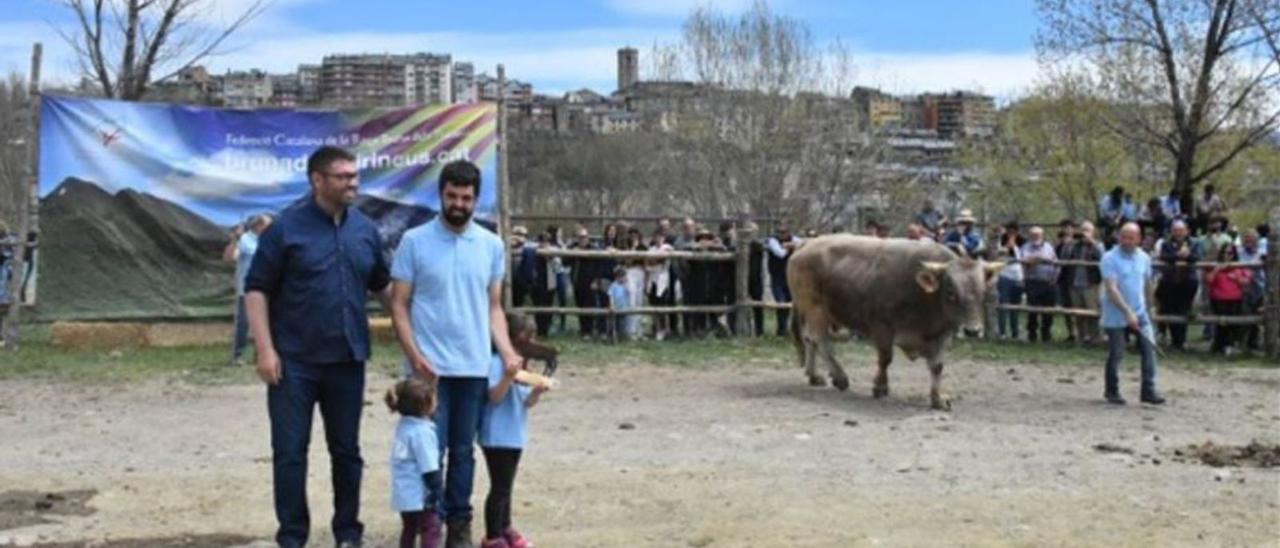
(457, 216)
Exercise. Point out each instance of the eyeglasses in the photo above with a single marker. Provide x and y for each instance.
(345, 177)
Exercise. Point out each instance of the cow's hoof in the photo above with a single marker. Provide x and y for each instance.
(815, 380)
(880, 391)
(940, 403)
(841, 383)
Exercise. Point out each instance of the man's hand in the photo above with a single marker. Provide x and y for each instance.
(422, 366)
(269, 367)
(1134, 324)
(512, 365)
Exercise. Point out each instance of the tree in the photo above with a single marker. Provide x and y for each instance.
(1052, 155)
(771, 128)
(1197, 79)
(14, 124)
(123, 45)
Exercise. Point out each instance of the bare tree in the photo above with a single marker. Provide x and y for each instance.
(123, 46)
(14, 125)
(1198, 79)
(772, 130)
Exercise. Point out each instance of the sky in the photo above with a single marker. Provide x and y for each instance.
(902, 46)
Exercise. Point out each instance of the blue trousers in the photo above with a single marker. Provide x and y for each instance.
(241, 330)
(1116, 342)
(1008, 292)
(339, 391)
(461, 407)
(781, 294)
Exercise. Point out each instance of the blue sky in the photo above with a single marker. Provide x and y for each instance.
(559, 45)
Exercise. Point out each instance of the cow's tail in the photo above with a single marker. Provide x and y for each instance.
(797, 330)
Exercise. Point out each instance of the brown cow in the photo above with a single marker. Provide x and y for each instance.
(913, 294)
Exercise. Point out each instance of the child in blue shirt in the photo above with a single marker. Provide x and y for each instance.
(503, 435)
(415, 463)
(619, 300)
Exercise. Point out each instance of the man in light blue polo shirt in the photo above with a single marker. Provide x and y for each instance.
(1127, 279)
(447, 310)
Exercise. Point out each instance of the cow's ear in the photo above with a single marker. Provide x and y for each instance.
(928, 281)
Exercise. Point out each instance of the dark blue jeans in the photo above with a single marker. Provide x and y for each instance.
(1008, 292)
(458, 413)
(781, 294)
(1116, 341)
(241, 336)
(339, 391)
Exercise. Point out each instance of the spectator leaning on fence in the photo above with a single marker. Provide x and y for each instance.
(1009, 285)
(1086, 279)
(1227, 289)
(1177, 289)
(780, 246)
(658, 285)
(1041, 276)
(755, 278)
(1066, 241)
(1251, 252)
(1126, 273)
(583, 273)
(965, 240)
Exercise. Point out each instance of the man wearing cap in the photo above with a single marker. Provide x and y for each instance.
(964, 239)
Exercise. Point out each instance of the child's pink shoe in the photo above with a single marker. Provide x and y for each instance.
(495, 543)
(515, 540)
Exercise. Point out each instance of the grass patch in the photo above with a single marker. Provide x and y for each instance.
(37, 359)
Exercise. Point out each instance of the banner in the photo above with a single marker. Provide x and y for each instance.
(150, 191)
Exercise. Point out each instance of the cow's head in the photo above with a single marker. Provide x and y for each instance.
(961, 284)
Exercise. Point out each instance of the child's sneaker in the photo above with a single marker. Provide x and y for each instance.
(515, 540)
(495, 543)
(432, 530)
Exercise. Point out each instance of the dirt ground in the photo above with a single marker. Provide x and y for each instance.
(634, 454)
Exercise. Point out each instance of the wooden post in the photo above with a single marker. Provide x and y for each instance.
(1271, 307)
(504, 185)
(745, 235)
(28, 204)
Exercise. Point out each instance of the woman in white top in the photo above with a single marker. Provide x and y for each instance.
(1009, 287)
(658, 284)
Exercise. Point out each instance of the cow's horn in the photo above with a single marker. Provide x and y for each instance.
(932, 266)
(993, 268)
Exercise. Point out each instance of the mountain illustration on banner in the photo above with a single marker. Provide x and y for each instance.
(138, 199)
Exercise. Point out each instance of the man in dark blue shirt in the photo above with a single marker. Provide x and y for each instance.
(305, 296)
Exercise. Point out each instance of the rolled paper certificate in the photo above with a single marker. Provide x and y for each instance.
(529, 378)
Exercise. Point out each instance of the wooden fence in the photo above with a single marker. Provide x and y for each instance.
(1269, 319)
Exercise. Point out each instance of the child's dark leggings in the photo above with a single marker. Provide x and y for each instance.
(502, 476)
(418, 524)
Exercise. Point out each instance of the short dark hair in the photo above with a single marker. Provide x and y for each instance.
(726, 226)
(460, 173)
(411, 397)
(323, 157)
